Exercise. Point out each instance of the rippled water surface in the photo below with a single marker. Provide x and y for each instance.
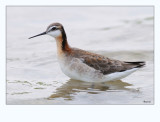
(33, 72)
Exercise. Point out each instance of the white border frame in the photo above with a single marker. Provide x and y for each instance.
(94, 113)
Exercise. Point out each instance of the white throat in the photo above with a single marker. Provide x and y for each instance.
(55, 33)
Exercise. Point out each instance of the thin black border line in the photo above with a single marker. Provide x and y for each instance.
(85, 6)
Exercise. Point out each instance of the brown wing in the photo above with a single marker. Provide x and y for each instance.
(104, 64)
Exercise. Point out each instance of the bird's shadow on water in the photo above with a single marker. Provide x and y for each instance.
(73, 87)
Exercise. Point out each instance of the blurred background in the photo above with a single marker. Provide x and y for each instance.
(122, 33)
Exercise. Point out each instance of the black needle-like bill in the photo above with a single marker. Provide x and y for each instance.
(37, 35)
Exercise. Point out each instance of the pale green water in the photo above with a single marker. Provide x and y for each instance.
(33, 73)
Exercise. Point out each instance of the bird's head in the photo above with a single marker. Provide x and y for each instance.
(55, 30)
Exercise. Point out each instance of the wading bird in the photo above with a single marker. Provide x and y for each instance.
(86, 66)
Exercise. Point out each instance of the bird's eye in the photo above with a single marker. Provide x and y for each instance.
(54, 28)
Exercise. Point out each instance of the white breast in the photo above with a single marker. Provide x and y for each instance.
(76, 69)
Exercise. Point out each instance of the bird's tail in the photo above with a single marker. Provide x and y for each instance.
(138, 64)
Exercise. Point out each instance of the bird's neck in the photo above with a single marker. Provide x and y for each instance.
(62, 45)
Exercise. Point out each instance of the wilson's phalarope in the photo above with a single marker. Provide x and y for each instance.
(86, 66)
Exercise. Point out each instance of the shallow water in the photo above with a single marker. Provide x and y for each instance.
(33, 72)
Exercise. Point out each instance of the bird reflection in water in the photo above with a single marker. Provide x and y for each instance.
(72, 87)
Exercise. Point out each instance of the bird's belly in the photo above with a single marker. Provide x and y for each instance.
(76, 69)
